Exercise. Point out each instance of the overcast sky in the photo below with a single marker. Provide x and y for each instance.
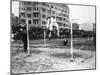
(15, 8)
(82, 13)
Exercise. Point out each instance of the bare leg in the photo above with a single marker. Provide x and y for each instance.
(49, 35)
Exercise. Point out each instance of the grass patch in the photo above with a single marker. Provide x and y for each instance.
(36, 51)
(65, 55)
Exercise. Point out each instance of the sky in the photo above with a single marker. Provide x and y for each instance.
(82, 14)
(15, 8)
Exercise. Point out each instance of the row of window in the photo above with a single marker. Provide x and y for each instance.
(35, 15)
(29, 3)
(62, 10)
(35, 21)
(49, 11)
(44, 4)
(59, 23)
(58, 9)
(43, 22)
(54, 7)
(57, 18)
(29, 9)
(34, 3)
(54, 12)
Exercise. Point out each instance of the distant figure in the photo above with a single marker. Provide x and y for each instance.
(65, 42)
(94, 36)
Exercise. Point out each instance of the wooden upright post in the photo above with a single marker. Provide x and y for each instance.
(28, 38)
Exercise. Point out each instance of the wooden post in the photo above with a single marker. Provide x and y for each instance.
(72, 43)
(27, 38)
(44, 38)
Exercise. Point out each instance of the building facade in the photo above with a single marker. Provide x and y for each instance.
(75, 26)
(88, 26)
(36, 13)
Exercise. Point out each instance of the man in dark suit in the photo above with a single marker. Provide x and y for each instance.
(23, 29)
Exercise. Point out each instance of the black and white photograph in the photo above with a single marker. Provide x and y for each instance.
(52, 37)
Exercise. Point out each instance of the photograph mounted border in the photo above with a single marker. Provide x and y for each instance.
(69, 44)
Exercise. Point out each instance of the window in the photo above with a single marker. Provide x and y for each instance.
(25, 3)
(43, 16)
(53, 12)
(35, 3)
(34, 9)
(44, 22)
(67, 20)
(67, 16)
(22, 14)
(28, 3)
(62, 10)
(59, 9)
(47, 5)
(44, 4)
(58, 18)
(29, 15)
(52, 6)
(49, 11)
(56, 8)
(64, 19)
(64, 25)
(65, 11)
(59, 23)
(29, 21)
(28, 8)
(22, 20)
(59, 14)
(37, 9)
(22, 9)
(22, 2)
(43, 9)
(35, 15)
(35, 21)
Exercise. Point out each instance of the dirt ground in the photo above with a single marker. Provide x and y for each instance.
(53, 57)
(48, 59)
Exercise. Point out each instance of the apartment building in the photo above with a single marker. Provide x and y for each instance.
(36, 13)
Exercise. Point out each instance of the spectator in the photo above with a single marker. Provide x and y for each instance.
(94, 36)
(65, 42)
(23, 29)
